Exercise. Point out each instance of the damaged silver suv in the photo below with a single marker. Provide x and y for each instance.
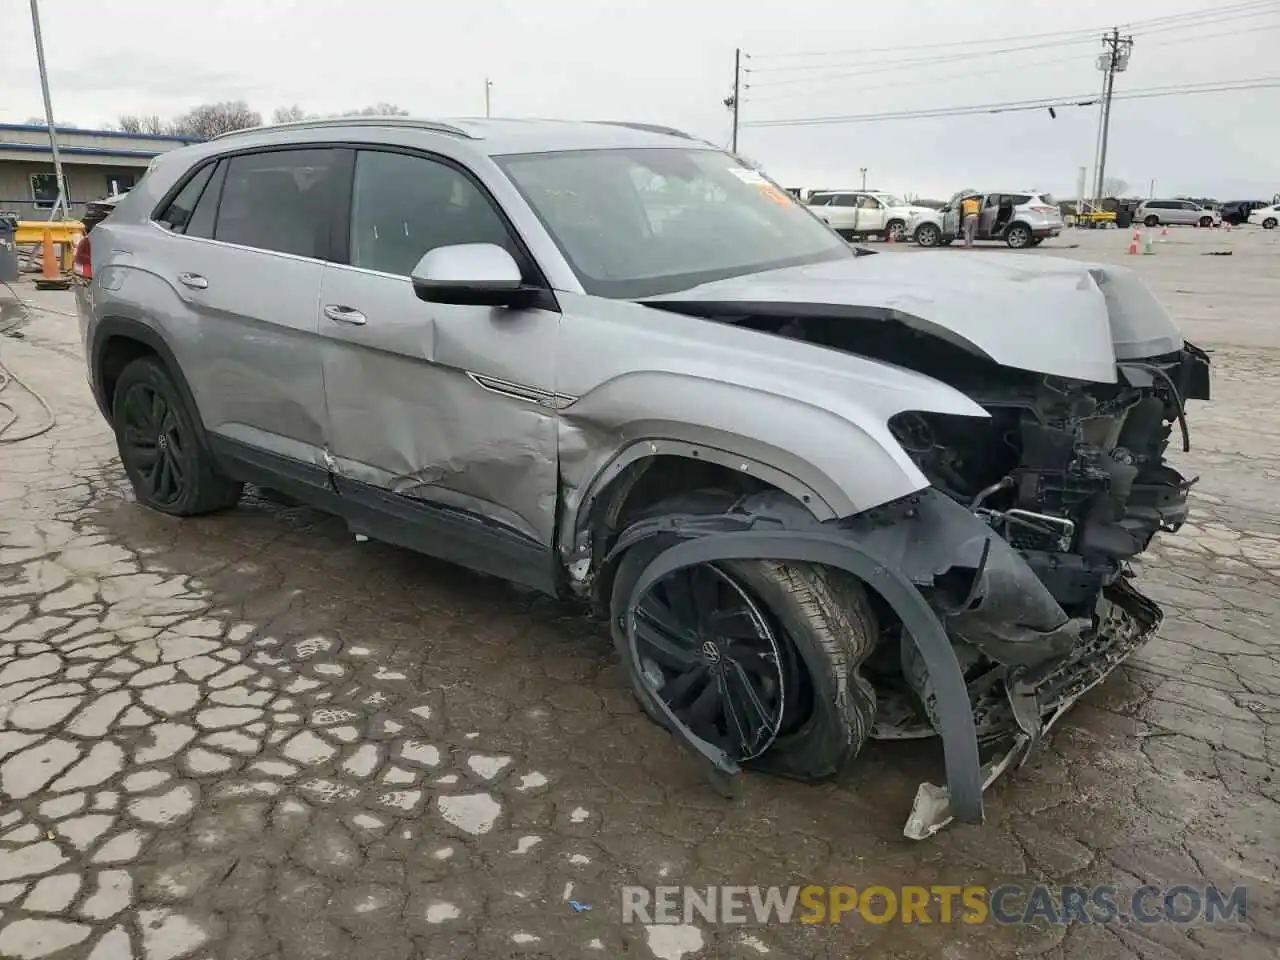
(821, 495)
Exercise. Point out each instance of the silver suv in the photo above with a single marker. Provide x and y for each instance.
(820, 495)
(1155, 213)
(1020, 218)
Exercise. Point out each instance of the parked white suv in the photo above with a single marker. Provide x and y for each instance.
(861, 213)
(1267, 216)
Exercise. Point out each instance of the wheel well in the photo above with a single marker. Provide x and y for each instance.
(647, 483)
(117, 353)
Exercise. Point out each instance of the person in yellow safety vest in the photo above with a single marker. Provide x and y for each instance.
(970, 208)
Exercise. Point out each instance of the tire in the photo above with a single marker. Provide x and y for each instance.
(825, 627)
(1206, 222)
(1151, 220)
(896, 231)
(928, 235)
(160, 445)
(1269, 223)
(1019, 236)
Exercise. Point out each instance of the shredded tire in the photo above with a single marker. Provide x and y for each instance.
(825, 617)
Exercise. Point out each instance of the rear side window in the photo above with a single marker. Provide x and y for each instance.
(279, 200)
(1018, 199)
(177, 214)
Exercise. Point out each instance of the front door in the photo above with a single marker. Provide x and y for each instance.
(245, 265)
(441, 416)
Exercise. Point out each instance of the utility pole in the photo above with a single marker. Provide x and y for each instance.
(863, 171)
(61, 202)
(733, 102)
(488, 87)
(1114, 60)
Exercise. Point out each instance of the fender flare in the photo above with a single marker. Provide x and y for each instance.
(111, 327)
(959, 735)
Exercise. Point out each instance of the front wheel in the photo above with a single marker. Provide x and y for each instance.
(1269, 223)
(756, 657)
(928, 235)
(1206, 221)
(162, 455)
(896, 232)
(1019, 236)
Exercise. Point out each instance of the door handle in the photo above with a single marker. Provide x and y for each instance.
(340, 314)
(193, 280)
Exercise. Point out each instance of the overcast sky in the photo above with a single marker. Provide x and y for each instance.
(671, 62)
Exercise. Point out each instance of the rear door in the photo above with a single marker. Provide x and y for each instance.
(441, 415)
(247, 270)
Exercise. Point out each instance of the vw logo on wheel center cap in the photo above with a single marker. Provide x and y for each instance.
(710, 652)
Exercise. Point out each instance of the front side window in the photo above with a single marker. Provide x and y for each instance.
(642, 222)
(868, 203)
(279, 200)
(403, 206)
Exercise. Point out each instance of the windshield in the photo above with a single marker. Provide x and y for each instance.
(637, 223)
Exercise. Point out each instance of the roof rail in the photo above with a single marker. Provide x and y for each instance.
(648, 128)
(360, 121)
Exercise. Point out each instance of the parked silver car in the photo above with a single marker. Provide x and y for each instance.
(1155, 213)
(1019, 218)
(820, 495)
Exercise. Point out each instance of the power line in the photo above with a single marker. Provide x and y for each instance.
(1013, 106)
(1170, 21)
(889, 66)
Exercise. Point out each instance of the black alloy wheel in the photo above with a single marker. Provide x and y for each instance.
(708, 652)
(154, 445)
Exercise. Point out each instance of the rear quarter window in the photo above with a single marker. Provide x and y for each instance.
(177, 212)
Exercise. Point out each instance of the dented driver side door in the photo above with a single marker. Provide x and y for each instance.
(441, 417)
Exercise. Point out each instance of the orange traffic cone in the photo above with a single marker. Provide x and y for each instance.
(1164, 231)
(892, 238)
(51, 277)
(1135, 242)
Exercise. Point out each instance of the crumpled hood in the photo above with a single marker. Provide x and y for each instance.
(1043, 314)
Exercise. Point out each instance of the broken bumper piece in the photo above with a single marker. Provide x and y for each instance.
(1125, 620)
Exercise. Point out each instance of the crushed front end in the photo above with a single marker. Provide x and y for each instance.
(1071, 479)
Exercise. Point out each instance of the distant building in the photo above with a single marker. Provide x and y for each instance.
(95, 164)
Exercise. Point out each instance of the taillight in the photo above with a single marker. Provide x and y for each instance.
(1045, 209)
(82, 266)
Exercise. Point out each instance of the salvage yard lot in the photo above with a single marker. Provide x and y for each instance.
(248, 736)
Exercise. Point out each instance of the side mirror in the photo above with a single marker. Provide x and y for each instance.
(475, 274)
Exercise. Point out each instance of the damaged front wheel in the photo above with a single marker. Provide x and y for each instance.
(759, 659)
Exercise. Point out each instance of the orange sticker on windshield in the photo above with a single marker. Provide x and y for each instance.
(776, 195)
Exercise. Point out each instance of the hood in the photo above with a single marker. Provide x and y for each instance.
(1046, 315)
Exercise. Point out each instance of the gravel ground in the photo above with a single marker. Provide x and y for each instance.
(248, 736)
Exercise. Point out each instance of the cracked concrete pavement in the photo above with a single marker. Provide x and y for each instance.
(247, 736)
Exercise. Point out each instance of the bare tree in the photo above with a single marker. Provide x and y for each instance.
(288, 114)
(377, 110)
(211, 119)
(1114, 186)
(136, 123)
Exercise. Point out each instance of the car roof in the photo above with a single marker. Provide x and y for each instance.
(494, 137)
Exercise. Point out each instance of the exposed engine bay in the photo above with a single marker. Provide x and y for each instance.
(1071, 475)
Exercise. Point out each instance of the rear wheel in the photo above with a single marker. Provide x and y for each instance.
(1019, 236)
(757, 657)
(159, 445)
(1152, 220)
(928, 235)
